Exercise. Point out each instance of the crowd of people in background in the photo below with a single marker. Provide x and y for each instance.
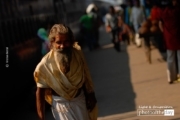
(143, 23)
(160, 27)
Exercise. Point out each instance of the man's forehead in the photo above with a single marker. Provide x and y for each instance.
(61, 36)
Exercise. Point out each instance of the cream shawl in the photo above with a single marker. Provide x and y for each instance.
(48, 75)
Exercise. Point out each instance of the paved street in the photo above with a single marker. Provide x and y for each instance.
(124, 82)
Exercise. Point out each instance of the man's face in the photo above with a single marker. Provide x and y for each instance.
(62, 47)
(61, 42)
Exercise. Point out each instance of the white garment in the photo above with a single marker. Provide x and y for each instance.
(137, 17)
(111, 20)
(74, 109)
(171, 64)
(138, 40)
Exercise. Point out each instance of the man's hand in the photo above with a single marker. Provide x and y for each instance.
(40, 103)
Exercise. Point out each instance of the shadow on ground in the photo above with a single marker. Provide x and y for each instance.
(112, 80)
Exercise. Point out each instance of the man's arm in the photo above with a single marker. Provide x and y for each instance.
(90, 99)
(40, 103)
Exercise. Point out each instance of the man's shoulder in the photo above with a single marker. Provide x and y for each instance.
(44, 62)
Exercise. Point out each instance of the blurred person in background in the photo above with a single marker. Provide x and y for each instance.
(136, 18)
(129, 5)
(170, 26)
(63, 79)
(150, 33)
(125, 33)
(87, 30)
(42, 33)
(127, 14)
(111, 26)
(145, 35)
(97, 22)
(156, 32)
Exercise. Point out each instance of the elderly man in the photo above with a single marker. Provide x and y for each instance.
(63, 79)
